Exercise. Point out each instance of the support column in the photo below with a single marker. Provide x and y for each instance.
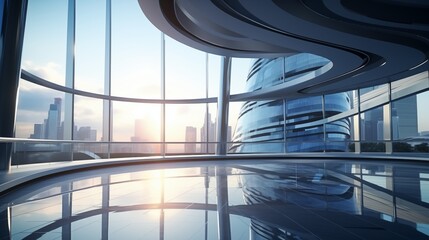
(13, 14)
(163, 147)
(107, 104)
(68, 122)
(223, 105)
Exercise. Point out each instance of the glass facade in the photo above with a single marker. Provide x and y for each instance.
(291, 125)
(100, 81)
(386, 118)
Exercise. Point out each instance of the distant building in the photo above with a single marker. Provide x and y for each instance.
(190, 139)
(86, 134)
(51, 128)
(52, 122)
(406, 112)
(144, 133)
(39, 131)
(208, 134)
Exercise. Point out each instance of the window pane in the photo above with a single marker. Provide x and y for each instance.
(178, 118)
(240, 68)
(339, 135)
(40, 112)
(90, 45)
(303, 132)
(214, 67)
(45, 38)
(372, 125)
(137, 122)
(260, 121)
(88, 118)
(234, 112)
(372, 130)
(185, 71)
(373, 96)
(136, 52)
(410, 126)
(404, 118)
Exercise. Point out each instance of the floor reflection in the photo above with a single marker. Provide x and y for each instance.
(235, 200)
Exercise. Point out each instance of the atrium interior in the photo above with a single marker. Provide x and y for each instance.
(218, 119)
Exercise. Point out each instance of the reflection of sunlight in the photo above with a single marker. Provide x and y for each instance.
(51, 208)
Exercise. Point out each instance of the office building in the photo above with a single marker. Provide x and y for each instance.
(191, 139)
(276, 125)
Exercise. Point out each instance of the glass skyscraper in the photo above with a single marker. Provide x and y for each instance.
(291, 125)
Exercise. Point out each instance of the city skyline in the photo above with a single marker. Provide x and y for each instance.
(53, 127)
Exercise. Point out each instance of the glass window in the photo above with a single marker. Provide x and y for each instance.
(404, 118)
(90, 45)
(339, 103)
(410, 126)
(266, 73)
(185, 123)
(373, 96)
(240, 68)
(45, 39)
(88, 118)
(185, 71)
(136, 52)
(372, 125)
(40, 112)
(214, 66)
(338, 135)
(136, 122)
(373, 130)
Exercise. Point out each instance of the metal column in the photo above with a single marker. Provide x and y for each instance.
(13, 14)
(223, 104)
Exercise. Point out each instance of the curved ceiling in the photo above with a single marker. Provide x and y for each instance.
(370, 43)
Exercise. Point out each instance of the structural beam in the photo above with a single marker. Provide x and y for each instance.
(12, 17)
(223, 105)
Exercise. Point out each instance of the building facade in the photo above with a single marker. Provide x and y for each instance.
(291, 125)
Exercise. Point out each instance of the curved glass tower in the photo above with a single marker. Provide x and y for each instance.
(295, 125)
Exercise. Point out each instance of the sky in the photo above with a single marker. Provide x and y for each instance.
(135, 70)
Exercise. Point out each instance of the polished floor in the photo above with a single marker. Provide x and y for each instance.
(254, 199)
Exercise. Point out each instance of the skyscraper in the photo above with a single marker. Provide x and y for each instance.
(52, 122)
(291, 125)
(58, 103)
(51, 128)
(208, 134)
(190, 139)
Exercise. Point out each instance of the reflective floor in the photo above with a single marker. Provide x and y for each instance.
(265, 199)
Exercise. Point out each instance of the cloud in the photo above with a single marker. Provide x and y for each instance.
(52, 72)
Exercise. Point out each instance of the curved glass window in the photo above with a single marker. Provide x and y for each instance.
(103, 82)
(45, 40)
(185, 77)
(135, 53)
(90, 45)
